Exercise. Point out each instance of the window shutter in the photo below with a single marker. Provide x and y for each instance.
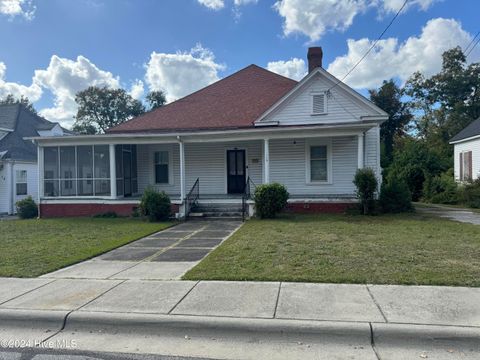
(319, 103)
(469, 165)
(461, 166)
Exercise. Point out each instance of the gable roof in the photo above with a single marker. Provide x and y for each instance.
(470, 131)
(235, 101)
(20, 123)
(337, 83)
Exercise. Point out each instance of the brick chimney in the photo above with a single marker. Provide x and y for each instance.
(314, 56)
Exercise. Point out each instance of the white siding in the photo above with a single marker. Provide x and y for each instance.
(341, 106)
(7, 188)
(4, 189)
(288, 166)
(372, 151)
(474, 147)
(206, 161)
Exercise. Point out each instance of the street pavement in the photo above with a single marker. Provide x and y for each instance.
(456, 214)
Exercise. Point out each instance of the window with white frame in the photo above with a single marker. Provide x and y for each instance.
(21, 182)
(466, 166)
(162, 171)
(76, 170)
(318, 163)
(319, 103)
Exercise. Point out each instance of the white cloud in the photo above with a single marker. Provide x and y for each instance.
(33, 92)
(244, 2)
(64, 78)
(182, 73)
(392, 6)
(294, 68)
(313, 18)
(212, 4)
(393, 59)
(14, 8)
(137, 89)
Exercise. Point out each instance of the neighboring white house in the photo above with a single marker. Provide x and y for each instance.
(18, 157)
(214, 145)
(467, 152)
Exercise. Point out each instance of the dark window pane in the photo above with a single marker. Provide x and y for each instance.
(134, 186)
(50, 161)
(67, 162)
(84, 162)
(102, 187)
(67, 188)
(85, 187)
(318, 152)
(161, 173)
(50, 188)
(120, 187)
(240, 163)
(21, 188)
(102, 162)
(118, 161)
(318, 170)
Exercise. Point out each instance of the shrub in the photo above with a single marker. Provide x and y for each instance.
(469, 194)
(155, 205)
(367, 184)
(441, 189)
(270, 199)
(395, 197)
(26, 208)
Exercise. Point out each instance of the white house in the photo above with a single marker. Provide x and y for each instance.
(215, 145)
(467, 152)
(18, 157)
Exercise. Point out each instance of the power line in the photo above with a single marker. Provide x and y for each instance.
(471, 42)
(371, 47)
(473, 47)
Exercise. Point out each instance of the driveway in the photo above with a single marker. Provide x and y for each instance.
(457, 214)
(166, 255)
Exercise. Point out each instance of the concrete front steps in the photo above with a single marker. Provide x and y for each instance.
(215, 209)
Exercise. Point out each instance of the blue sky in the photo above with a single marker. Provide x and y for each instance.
(53, 48)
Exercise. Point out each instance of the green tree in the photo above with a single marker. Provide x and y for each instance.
(447, 101)
(103, 108)
(156, 99)
(389, 98)
(10, 99)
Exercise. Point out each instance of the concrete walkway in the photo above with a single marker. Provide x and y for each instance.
(248, 320)
(166, 255)
(457, 214)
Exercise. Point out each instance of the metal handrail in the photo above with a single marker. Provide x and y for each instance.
(247, 195)
(192, 198)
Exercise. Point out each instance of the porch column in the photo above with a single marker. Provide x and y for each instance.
(113, 172)
(361, 151)
(40, 176)
(266, 161)
(182, 170)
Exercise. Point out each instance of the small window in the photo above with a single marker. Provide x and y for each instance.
(161, 167)
(319, 163)
(319, 105)
(21, 182)
(466, 166)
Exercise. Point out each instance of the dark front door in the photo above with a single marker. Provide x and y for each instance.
(235, 171)
(127, 173)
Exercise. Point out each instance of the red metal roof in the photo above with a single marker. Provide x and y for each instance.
(233, 102)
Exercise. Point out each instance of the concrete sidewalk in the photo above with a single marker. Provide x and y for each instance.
(234, 320)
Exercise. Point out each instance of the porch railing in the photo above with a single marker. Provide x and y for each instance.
(247, 195)
(192, 198)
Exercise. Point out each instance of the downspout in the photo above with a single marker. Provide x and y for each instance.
(12, 189)
(39, 180)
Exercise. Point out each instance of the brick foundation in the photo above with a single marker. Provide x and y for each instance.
(71, 210)
(319, 207)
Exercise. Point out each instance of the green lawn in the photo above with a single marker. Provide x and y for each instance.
(33, 247)
(393, 249)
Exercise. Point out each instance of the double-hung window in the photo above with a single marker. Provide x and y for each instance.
(162, 171)
(21, 182)
(318, 162)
